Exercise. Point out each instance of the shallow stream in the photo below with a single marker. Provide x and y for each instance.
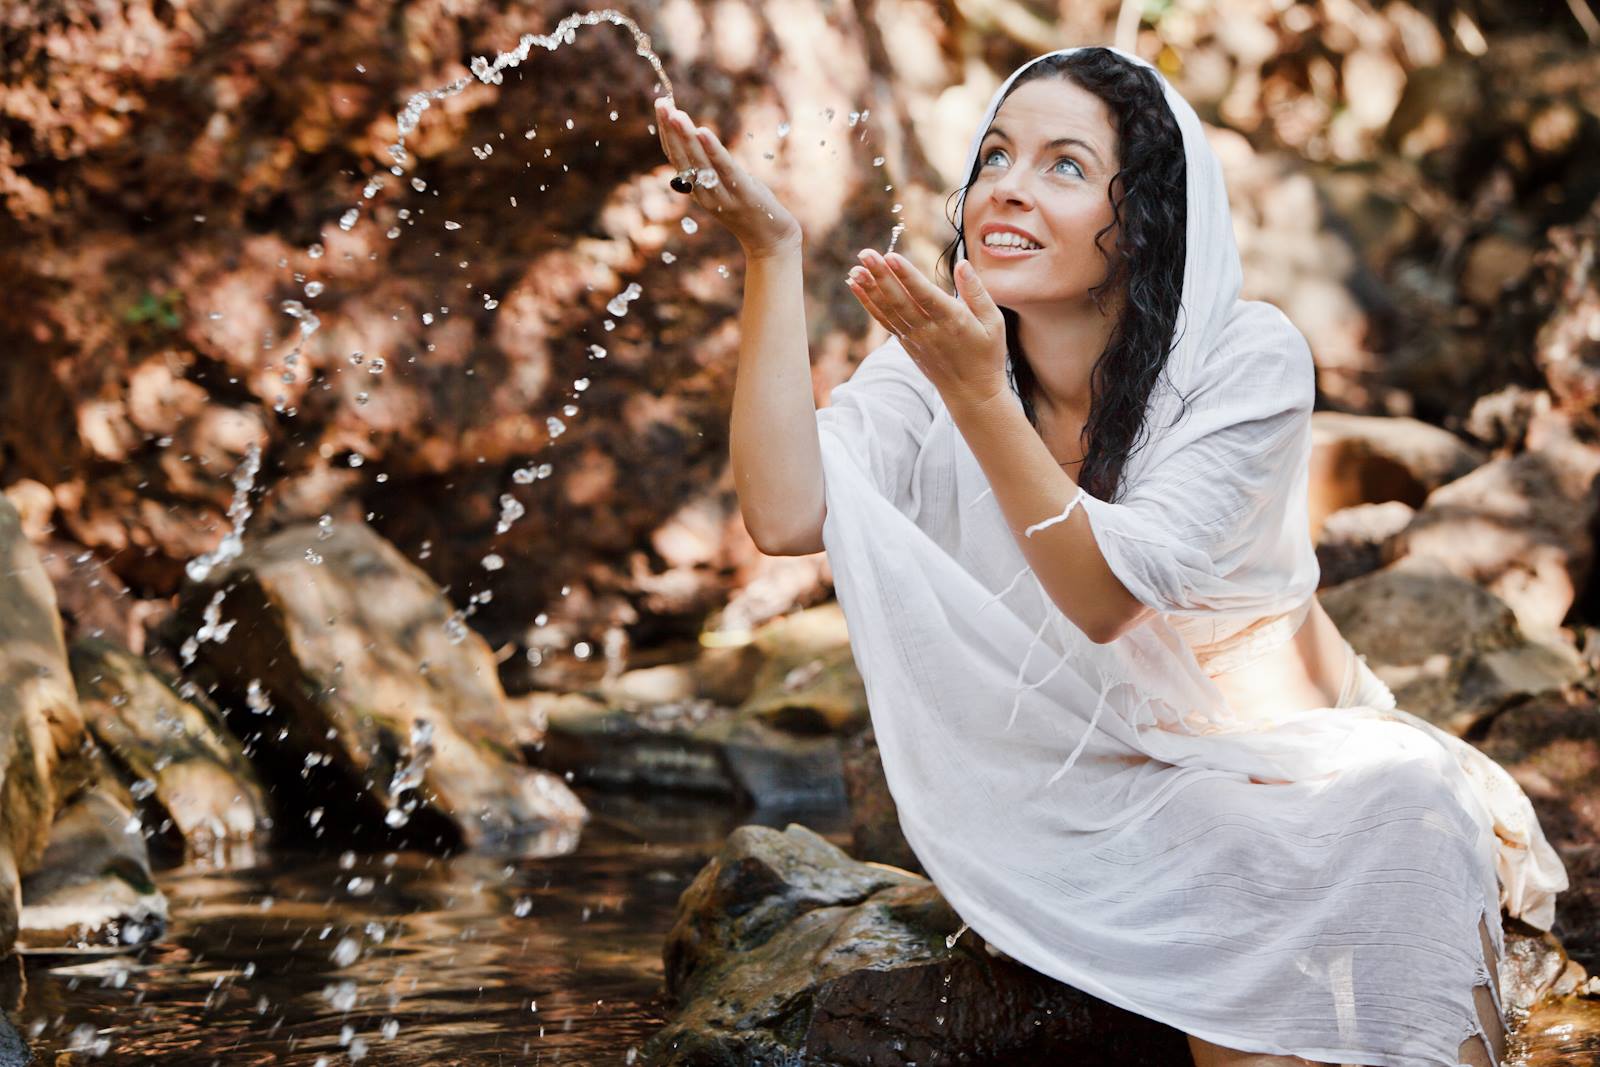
(399, 958)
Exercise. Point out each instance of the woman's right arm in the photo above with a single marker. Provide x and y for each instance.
(776, 453)
(777, 458)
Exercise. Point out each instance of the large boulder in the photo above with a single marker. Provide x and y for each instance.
(41, 728)
(1452, 651)
(355, 683)
(199, 790)
(787, 950)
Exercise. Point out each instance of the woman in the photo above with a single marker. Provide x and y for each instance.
(1195, 802)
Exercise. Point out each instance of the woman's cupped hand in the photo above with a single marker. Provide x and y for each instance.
(735, 199)
(958, 341)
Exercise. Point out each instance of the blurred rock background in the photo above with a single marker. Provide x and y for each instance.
(1414, 183)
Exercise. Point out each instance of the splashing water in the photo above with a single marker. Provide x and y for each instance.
(408, 777)
(894, 235)
(618, 305)
(511, 510)
(244, 480)
(212, 629)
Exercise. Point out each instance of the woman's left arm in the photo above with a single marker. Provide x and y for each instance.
(959, 344)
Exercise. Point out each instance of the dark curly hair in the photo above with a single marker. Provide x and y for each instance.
(1149, 212)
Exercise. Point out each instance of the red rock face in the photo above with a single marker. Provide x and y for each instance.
(164, 169)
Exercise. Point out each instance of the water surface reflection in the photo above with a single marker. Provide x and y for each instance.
(401, 958)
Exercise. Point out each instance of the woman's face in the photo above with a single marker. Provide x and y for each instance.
(1043, 168)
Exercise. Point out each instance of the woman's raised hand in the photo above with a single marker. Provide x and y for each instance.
(755, 217)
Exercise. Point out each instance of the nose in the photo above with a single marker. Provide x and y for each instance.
(1012, 188)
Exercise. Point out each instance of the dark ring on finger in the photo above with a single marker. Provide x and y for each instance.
(683, 181)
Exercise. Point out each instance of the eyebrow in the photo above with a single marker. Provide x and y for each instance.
(995, 131)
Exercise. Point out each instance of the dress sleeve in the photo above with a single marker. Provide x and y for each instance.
(882, 414)
(1219, 519)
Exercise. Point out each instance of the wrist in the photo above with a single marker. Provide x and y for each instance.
(787, 244)
(969, 404)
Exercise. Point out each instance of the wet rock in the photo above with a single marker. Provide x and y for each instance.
(93, 885)
(786, 950)
(1351, 541)
(1519, 525)
(41, 728)
(176, 754)
(875, 833)
(342, 660)
(692, 747)
(1559, 1032)
(1451, 650)
(1536, 968)
(1363, 459)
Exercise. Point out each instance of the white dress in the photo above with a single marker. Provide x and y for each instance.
(1302, 884)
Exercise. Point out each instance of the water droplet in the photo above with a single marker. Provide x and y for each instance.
(313, 557)
(377, 365)
(492, 562)
(569, 124)
(783, 130)
(523, 906)
(511, 510)
(689, 225)
(452, 225)
(392, 232)
(877, 161)
(348, 219)
(618, 305)
(346, 952)
(427, 318)
(489, 303)
(668, 257)
(419, 185)
(315, 251)
(555, 426)
(613, 116)
(722, 269)
(569, 410)
(580, 384)
(314, 289)
(596, 352)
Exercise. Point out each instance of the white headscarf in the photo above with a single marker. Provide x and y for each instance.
(1037, 774)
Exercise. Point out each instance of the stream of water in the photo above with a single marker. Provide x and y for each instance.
(400, 958)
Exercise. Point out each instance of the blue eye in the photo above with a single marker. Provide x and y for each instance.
(1075, 166)
(989, 155)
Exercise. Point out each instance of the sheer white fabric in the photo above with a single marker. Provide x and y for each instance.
(1097, 811)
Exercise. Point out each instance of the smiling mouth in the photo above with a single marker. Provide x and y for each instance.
(1010, 251)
